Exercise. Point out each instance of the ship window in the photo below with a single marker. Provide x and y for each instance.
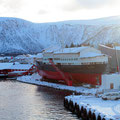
(75, 58)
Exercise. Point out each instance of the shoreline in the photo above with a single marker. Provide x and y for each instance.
(88, 99)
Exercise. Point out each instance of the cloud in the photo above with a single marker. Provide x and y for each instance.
(89, 4)
(12, 5)
(95, 3)
(41, 12)
(52, 10)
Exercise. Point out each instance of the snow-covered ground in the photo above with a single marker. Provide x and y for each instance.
(107, 108)
(36, 79)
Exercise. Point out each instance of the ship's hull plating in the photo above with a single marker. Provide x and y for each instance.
(76, 78)
(89, 74)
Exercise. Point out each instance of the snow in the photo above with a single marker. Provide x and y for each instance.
(105, 46)
(21, 66)
(114, 20)
(39, 55)
(2, 58)
(70, 50)
(5, 65)
(35, 79)
(90, 54)
(14, 66)
(109, 108)
(52, 48)
(20, 36)
(17, 72)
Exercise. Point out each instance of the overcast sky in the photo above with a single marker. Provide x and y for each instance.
(59, 10)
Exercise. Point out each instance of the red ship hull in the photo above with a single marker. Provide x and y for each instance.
(76, 78)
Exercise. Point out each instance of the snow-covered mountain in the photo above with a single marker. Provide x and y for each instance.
(20, 36)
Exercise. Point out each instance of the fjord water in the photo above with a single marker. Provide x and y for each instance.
(20, 101)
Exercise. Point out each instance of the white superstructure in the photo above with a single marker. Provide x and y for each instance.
(75, 56)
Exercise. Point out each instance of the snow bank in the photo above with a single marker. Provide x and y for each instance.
(36, 79)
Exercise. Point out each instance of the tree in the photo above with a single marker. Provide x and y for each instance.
(66, 46)
(72, 45)
(79, 45)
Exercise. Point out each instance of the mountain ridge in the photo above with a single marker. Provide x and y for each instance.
(21, 36)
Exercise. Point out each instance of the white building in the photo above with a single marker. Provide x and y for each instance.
(111, 82)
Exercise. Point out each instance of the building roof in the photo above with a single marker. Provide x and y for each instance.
(21, 66)
(5, 65)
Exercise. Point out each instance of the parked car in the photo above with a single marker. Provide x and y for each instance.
(111, 96)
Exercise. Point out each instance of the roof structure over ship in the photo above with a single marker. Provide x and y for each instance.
(112, 48)
(91, 54)
(71, 50)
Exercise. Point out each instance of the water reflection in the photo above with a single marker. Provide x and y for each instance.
(19, 101)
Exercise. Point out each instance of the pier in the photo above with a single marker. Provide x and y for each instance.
(92, 108)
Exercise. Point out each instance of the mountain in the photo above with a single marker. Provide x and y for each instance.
(21, 36)
(18, 36)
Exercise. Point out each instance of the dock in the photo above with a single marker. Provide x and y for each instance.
(93, 108)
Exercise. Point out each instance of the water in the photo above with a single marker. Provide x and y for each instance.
(20, 101)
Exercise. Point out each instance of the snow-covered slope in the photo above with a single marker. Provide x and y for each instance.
(94, 32)
(17, 35)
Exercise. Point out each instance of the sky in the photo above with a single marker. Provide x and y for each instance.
(59, 10)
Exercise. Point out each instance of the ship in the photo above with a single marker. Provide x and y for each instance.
(74, 66)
